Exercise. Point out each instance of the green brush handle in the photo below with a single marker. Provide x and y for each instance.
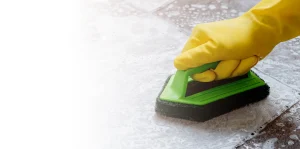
(201, 69)
(180, 81)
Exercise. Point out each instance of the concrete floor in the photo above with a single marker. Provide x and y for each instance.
(138, 40)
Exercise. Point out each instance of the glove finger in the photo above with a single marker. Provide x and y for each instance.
(244, 66)
(205, 53)
(197, 38)
(191, 43)
(225, 68)
(206, 76)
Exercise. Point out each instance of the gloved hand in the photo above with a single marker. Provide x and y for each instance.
(241, 42)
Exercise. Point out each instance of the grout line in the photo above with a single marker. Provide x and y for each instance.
(184, 31)
(276, 117)
(276, 79)
(162, 6)
(153, 10)
(266, 125)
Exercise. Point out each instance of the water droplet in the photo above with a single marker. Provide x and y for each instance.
(198, 6)
(270, 143)
(233, 11)
(275, 95)
(290, 142)
(212, 7)
(277, 102)
(224, 7)
(294, 137)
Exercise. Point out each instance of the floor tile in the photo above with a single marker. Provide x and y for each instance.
(284, 132)
(283, 63)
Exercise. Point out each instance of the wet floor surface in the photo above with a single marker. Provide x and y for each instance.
(142, 39)
(283, 132)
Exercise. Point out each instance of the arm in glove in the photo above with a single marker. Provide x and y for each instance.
(241, 42)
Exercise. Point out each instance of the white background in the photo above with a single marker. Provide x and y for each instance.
(38, 41)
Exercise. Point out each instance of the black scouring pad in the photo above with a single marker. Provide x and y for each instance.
(182, 97)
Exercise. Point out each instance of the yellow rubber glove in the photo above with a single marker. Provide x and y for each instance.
(241, 42)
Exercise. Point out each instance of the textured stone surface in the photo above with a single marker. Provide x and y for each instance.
(285, 129)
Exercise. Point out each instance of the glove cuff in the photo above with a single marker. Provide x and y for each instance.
(279, 17)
